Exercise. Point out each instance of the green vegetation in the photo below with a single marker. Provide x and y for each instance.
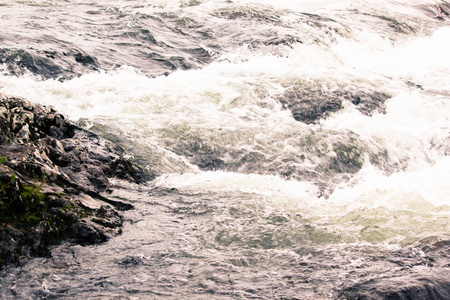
(24, 205)
(19, 201)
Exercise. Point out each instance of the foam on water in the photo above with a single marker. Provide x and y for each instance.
(230, 107)
(268, 186)
(250, 201)
(423, 61)
(238, 92)
(427, 184)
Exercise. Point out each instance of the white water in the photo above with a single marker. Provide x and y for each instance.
(274, 165)
(232, 104)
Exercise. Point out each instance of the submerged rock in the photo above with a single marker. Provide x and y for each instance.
(420, 288)
(432, 252)
(51, 174)
(47, 63)
(310, 104)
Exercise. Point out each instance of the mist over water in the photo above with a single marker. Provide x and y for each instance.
(299, 149)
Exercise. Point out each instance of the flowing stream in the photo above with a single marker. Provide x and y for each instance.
(298, 150)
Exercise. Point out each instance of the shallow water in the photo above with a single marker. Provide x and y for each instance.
(224, 246)
(300, 149)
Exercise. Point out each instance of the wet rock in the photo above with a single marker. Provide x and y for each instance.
(84, 59)
(310, 107)
(108, 217)
(310, 104)
(348, 158)
(9, 244)
(49, 169)
(47, 63)
(130, 261)
(208, 162)
(412, 288)
(19, 60)
(437, 252)
(51, 145)
(87, 233)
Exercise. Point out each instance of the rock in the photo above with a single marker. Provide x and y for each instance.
(19, 60)
(48, 64)
(59, 148)
(310, 104)
(398, 288)
(51, 176)
(87, 233)
(85, 59)
(437, 252)
(9, 248)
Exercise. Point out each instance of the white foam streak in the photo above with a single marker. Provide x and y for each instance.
(269, 186)
(423, 61)
(369, 189)
(233, 101)
(419, 191)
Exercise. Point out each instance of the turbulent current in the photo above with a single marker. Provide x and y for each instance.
(296, 149)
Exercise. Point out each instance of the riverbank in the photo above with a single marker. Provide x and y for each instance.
(51, 175)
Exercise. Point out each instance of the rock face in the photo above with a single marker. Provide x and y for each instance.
(51, 174)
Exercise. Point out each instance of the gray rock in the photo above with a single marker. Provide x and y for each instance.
(398, 288)
(310, 104)
(51, 176)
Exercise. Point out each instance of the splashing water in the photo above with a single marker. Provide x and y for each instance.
(301, 147)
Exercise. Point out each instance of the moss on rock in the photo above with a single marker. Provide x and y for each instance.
(51, 171)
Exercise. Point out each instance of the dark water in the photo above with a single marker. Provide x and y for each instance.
(301, 149)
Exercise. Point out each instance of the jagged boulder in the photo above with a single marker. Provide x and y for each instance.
(51, 175)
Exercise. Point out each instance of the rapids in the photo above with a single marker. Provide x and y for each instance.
(299, 150)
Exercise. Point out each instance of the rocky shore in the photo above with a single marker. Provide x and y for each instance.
(51, 175)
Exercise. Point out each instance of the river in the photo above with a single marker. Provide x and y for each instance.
(299, 150)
